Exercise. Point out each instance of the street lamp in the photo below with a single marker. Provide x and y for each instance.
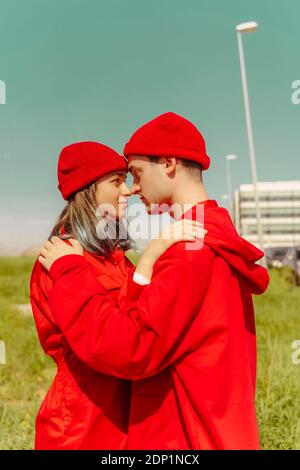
(250, 27)
(229, 158)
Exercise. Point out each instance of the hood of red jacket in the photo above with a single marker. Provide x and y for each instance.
(223, 238)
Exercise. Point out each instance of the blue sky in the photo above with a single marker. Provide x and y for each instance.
(98, 69)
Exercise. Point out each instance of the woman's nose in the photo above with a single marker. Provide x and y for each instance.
(125, 191)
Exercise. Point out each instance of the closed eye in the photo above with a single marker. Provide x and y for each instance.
(118, 179)
(136, 174)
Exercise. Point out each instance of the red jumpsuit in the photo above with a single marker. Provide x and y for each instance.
(84, 408)
(187, 340)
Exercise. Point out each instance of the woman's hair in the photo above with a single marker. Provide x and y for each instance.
(81, 220)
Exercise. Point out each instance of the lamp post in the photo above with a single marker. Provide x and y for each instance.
(225, 197)
(250, 27)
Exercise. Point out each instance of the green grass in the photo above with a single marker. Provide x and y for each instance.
(28, 373)
(278, 385)
(132, 256)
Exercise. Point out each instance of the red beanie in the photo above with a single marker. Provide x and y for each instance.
(82, 163)
(169, 135)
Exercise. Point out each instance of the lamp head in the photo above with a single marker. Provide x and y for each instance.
(231, 157)
(249, 27)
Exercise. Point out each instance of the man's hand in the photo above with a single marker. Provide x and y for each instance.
(56, 248)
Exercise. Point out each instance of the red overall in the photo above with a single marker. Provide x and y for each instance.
(84, 408)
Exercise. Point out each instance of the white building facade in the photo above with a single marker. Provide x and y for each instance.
(279, 204)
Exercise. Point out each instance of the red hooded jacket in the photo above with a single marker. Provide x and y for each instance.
(84, 408)
(187, 340)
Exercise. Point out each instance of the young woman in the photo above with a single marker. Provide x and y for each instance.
(85, 409)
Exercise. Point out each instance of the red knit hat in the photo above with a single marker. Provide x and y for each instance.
(169, 135)
(82, 163)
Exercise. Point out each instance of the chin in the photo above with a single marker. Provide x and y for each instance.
(121, 214)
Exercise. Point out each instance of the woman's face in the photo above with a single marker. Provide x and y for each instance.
(112, 192)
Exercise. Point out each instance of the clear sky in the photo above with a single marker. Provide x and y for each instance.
(97, 69)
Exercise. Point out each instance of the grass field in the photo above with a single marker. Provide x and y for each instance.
(26, 376)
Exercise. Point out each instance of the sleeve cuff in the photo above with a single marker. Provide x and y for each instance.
(140, 279)
(66, 263)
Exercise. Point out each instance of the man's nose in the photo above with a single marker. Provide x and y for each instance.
(135, 188)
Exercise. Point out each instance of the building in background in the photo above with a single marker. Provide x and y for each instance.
(279, 204)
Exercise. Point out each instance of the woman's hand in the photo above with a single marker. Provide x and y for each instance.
(56, 248)
(182, 230)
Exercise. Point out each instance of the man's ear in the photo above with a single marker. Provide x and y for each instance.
(170, 165)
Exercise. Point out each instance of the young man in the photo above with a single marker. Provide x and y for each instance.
(187, 339)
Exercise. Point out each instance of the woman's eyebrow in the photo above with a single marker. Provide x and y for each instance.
(118, 175)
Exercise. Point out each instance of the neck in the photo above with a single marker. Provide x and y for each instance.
(184, 198)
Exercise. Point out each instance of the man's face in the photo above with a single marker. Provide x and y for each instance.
(150, 181)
